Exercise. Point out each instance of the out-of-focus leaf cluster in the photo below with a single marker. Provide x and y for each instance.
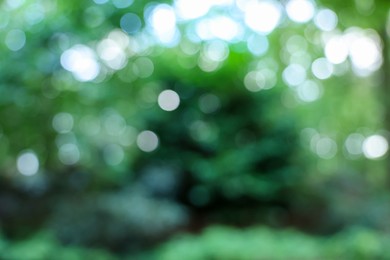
(219, 242)
(263, 243)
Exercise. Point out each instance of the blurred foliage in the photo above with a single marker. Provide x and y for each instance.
(45, 246)
(263, 243)
(220, 242)
(271, 128)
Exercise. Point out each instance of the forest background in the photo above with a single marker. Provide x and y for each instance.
(220, 129)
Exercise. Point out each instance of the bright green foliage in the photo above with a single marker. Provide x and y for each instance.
(220, 242)
(263, 243)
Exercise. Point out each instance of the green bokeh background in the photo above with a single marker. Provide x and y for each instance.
(237, 174)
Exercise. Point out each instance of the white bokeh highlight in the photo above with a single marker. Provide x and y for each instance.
(63, 122)
(300, 11)
(326, 148)
(262, 17)
(191, 9)
(69, 154)
(168, 100)
(326, 20)
(294, 74)
(81, 61)
(15, 39)
(27, 163)
(309, 91)
(162, 21)
(147, 141)
(322, 68)
(336, 49)
(375, 147)
(354, 143)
